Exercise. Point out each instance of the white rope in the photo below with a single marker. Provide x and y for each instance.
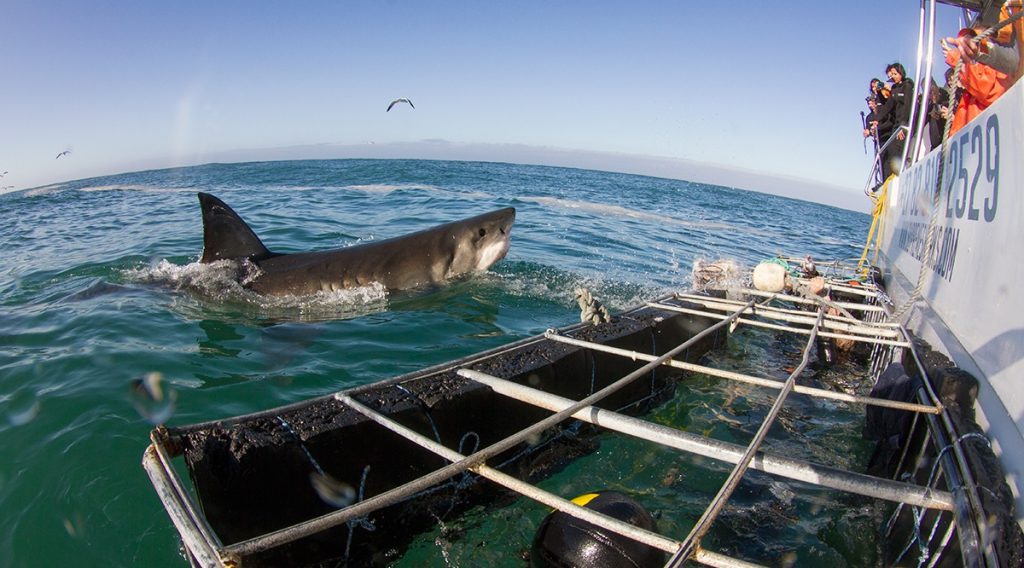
(591, 311)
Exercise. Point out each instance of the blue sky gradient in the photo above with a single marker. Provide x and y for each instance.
(760, 87)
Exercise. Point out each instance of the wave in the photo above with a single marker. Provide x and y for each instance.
(141, 188)
(45, 190)
(620, 211)
(388, 188)
(385, 189)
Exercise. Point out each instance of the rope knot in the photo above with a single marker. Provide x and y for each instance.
(590, 309)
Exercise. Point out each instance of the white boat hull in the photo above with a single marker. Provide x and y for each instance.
(970, 297)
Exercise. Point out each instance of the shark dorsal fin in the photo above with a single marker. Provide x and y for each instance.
(226, 235)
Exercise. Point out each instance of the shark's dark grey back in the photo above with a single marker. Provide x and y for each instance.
(226, 235)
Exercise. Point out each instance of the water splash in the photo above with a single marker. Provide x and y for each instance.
(20, 407)
(224, 281)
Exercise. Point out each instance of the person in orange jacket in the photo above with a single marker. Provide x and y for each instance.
(989, 67)
(1004, 51)
(981, 85)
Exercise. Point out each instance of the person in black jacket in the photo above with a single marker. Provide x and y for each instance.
(895, 113)
(872, 128)
(878, 90)
(937, 112)
(871, 120)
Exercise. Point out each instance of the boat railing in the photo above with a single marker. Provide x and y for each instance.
(875, 175)
(947, 511)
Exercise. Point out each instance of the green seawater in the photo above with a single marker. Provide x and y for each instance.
(100, 287)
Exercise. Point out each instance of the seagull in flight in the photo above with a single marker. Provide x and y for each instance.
(396, 101)
(64, 153)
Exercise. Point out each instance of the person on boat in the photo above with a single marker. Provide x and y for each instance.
(895, 113)
(990, 65)
(878, 94)
(1002, 52)
(879, 127)
(871, 120)
(901, 95)
(872, 130)
(937, 111)
(878, 90)
(981, 84)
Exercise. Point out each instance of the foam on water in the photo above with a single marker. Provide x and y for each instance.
(39, 191)
(223, 281)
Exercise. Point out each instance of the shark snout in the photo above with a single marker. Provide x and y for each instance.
(495, 241)
(492, 253)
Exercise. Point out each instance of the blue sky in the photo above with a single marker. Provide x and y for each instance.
(760, 87)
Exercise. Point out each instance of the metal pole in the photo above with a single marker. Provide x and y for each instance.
(864, 126)
(799, 470)
(795, 316)
(756, 323)
(203, 547)
(761, 382)
(703, 525)
(551, 500)
(798, 299)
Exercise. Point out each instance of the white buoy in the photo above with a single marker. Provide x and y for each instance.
(769, 277)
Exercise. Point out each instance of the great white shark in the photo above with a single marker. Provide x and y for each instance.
(424, 257)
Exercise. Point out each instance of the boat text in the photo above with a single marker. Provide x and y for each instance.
(940, 256)
(971, 177)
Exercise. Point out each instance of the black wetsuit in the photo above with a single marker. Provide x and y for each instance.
(902, 95)
(893, 114)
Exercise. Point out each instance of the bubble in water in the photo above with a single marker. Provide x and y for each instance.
(333, 492)
(153, 400)
(21, 407)
(75, 525)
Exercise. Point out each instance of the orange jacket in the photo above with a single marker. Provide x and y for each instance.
(981, 85)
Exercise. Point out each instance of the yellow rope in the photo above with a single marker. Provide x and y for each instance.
(875, 233)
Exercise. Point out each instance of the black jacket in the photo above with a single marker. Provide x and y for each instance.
(896, 109)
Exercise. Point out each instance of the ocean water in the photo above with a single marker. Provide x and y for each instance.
(100, 286)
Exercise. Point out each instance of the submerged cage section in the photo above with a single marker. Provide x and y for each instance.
(948, 451)
(257, 475)
(350, 478)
